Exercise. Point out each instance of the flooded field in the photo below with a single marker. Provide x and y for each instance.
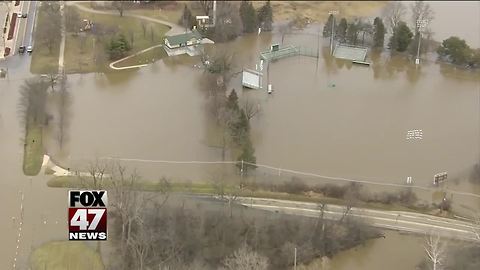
(326, 116)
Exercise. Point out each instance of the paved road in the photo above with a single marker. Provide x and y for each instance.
(395, 220)
(25, 26)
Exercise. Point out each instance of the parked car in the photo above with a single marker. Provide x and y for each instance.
(24, 15)
(29, 49)
(21, 49)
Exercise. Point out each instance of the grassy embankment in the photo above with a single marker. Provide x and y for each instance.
(33, 149)
(44, 62)
(62, 255)
(88, 54)
(209, 188)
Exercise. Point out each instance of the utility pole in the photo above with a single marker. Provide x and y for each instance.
(420, 25)
(333, 13)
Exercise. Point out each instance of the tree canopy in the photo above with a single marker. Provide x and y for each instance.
(378, 33)
(342, 30)
(187, 20)
(265, 17)
(327, 28)
(118, 47)
(455, 50)
(248, 16)
(401, 38)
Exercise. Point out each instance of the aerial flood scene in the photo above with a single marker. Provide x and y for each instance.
(240, 135)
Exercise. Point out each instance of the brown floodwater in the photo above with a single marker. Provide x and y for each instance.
(396, 252)
(456, 18)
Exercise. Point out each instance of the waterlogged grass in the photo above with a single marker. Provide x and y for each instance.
(33, 152)
(62, 255)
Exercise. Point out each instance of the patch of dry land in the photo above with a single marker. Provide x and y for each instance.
(317, 11)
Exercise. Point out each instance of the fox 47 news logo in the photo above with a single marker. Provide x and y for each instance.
(87, 215)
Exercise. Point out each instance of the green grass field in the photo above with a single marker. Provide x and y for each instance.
(33, 152)
(44, 62)
(88, 54)
(62, 255)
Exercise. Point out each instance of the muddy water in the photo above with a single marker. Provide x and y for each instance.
(457, 18)
(354, 129)
(395, 252)
(327, 116)
(339, 119)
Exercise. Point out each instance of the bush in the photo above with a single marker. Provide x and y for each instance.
(118, 47)
(455, 50)
(294, 186)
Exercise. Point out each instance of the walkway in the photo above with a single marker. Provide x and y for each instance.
(174, 30)
(112, 65)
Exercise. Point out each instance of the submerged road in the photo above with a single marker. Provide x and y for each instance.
(394, 220)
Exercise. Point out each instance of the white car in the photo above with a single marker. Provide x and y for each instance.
(29, 49)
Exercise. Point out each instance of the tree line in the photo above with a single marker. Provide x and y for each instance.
(162, 231)
(231, 19)
(402, 37)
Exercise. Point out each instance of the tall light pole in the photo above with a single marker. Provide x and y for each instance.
(420, 25)
(333, 13)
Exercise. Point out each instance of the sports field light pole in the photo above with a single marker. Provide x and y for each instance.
(420, 25)
(332, 12)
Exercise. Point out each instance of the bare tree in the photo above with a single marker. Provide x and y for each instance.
(476, 226)
(141, 245)
(245, 259)
(97, 171)
(284, 29)
(250, 108)
(33, 97)
(393, 13)
(144, 28)
(207, 5)
(228, 24)
(48, 33)
(119, 6)
(72, 19)
(64, 100)
(421, 11)
(52, 80)
(128, 204)
(435, 250)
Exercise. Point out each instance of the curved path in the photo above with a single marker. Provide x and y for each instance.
(112, 65)
(174, 30)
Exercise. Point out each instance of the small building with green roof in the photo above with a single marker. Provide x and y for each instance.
(183, 40)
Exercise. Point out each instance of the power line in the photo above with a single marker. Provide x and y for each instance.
(296, 172)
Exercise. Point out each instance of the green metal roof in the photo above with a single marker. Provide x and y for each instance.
(183, 38)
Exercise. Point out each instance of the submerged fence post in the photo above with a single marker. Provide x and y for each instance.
(241, 169)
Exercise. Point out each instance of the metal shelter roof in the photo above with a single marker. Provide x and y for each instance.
(349, 52)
